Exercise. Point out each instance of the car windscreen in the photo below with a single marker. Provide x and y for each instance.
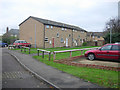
(23, 42)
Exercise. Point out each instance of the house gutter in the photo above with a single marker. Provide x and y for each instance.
(72, 37)
(44, 37)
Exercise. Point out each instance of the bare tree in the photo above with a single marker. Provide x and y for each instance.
(114, 25)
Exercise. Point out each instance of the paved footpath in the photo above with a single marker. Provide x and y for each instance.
(55, 76)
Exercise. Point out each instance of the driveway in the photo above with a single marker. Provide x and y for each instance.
(110, 63)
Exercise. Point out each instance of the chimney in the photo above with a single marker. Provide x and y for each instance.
(7, 30)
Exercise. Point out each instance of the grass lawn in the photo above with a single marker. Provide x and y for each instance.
(101, 77)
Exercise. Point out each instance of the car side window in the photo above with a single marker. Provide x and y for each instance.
(115, 48)
(108, 47)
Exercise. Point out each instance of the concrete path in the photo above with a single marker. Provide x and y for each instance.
(58, 78)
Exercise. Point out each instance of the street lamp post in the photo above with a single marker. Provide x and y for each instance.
(110, 28)
(110, 35)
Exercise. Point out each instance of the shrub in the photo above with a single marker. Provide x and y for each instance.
(84, 44)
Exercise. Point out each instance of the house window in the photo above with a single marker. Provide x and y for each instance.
(62, 40)
(46, 39)
(73, 30)
(98, 36)
(62, 28)
(30, 38)
(57, 34)
(65, 29)
(78, 36)
(11, 35)
(51, 26)
(69, 35)
(47, 26)
(82, 31)
(15, 35)
(81, 40)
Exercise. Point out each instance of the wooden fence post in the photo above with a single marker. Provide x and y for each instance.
(24, 49)
(21, 49)
(38, 52)
(43, 54)
(49, 55)
(81, 52)
(70, 53)
(29, 50)
(54, 55)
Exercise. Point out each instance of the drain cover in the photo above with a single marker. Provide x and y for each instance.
(15, 75)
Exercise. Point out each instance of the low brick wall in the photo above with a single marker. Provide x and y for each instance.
(69, 61)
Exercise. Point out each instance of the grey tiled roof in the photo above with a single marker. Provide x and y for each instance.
(54, 23)
(95, 33)
(14, 31)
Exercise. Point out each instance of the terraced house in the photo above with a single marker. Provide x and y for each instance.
(44, 33)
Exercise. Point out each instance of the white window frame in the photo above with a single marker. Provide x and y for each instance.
(47, 26)
(46, 39)
(11, 35)
(57, 34)
(62, 29)
(75, 30)
(62, 40)
(82, 31)
(51, 27)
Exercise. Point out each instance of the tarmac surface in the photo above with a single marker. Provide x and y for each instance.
(52, 75)
(15, 76)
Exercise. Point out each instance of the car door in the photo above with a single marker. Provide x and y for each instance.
(104, 52)
(114, 53)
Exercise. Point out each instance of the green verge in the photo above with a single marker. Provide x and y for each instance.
(34, 50)
(101, 77)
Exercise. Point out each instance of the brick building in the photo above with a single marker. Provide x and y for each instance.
(95, 38)
(44, 33)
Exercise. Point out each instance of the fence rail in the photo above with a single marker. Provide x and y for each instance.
(54, 53)
(23, 47)
(12, 46)
(43, 51)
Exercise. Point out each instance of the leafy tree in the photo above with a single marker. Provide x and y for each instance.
(6, 38)
(114, 26)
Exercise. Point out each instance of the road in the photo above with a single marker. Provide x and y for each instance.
(15, 76)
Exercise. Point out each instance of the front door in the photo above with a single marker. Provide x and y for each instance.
(53, 42)
(66, 42)
(96, 44)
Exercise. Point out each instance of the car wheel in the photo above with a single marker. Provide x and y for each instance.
(91, 56)
(5, 45)
(19, 46)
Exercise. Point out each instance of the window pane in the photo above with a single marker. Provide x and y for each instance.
(108, 47)
(47, 26)
(51, 26)
(115, 47)
(62, 40)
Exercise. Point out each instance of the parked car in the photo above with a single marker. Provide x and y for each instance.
(20, 43)
(2, 44)
(108, 51)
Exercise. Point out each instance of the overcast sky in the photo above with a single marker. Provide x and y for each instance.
(90, 15)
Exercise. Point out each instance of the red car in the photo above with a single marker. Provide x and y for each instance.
(19, 43)
(108, 51)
